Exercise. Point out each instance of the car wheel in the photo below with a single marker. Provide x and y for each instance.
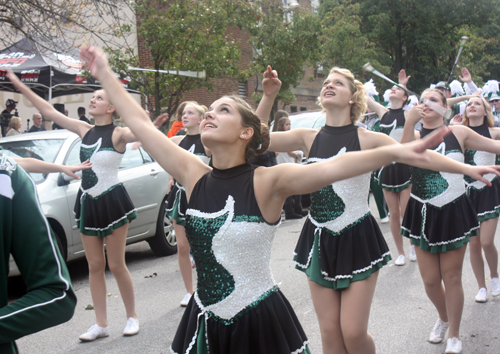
(164, 242)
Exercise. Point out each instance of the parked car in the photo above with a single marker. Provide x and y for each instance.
(144, 179)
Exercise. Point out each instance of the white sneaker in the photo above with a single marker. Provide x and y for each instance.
(186, 299)
(131, 327)
(438, 332)
(400, 261)
(495, 286)
(384, 220)
(413, 255)
(482, 295)
(95, 332)
(453, 345)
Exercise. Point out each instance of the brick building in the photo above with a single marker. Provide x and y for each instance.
(306, 94)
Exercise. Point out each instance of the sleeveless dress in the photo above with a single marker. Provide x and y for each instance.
(176, 200)
(395, 177)
(340, 242)
(486, 200)
(102, 203)
(439, 216)
(237, 307)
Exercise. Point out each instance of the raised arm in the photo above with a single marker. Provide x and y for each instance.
(402, 78)
(183, 166)
(271, 85)
(38, 166)
(412, 117)
(470, 86)
(75, 125)
(376, 107)
(453, 101)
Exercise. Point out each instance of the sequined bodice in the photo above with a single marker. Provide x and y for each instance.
(192, 143)
(393, 123)
(480, 158)
(231, 247)
(342, 203)
(97, 147)
(439, 188)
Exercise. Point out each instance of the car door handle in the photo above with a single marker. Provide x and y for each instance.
(153, 172)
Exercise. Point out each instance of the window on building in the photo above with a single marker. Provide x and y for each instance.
(242, 89)
(293, 109)
(302, 109)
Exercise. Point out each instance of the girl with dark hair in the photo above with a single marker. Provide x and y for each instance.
(233, 212)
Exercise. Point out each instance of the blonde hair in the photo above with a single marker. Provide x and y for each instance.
(439, 92)
(201, 109)
(358, 107)
(490, 121)
(14, 122)
(261, 138)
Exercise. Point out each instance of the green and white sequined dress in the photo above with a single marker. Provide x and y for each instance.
(237, 307)
(102, 203)
(340, 242)
(439, 216)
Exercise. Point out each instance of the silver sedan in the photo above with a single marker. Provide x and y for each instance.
(145, 181)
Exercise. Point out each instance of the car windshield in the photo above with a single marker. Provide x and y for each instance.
(41, 149)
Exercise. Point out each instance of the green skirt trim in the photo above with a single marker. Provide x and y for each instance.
(425, 246)
(315, 275)
(174, 212)
(396, 189)
(106, 231)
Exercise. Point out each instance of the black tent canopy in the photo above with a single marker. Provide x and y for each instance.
(49, 69)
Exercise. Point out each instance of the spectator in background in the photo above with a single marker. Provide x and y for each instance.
(81, 115)
(6, 114)
(37, 124)
(177, 125)
(14, 126)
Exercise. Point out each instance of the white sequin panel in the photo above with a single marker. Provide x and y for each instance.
(354, 193)
(105, 165)
(396, 133)
(245, 251)
(483, 158)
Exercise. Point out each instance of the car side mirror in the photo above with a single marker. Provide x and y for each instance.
(64, 179)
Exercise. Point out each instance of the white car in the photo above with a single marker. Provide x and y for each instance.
(145, 181)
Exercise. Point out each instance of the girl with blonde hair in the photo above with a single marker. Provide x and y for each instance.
(341, 247)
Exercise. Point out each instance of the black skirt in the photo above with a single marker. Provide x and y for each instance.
(269, 327)
(438, 230)
(395, 177)
(486, 201)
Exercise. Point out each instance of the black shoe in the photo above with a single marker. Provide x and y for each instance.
(291, 216)
(300, 211)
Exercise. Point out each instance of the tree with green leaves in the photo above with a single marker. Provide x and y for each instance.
(342, 42)
(188, 36)
(422, 36)
(288, 41)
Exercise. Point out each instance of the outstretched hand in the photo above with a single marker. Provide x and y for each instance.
(70, 170)
(466, 76)
(477, 173)
(477, 93)
(271, 84)
(402, 78)
(94, 60)
(414, 151)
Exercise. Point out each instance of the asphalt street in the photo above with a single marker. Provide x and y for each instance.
(401, 315)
